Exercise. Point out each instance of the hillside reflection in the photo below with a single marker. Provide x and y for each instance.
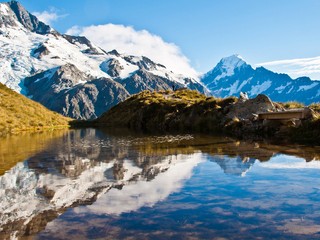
(118, 172)
(16, 148)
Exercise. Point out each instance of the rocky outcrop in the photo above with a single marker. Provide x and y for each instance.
(113, 67)
(80, 40)
(40, 51)
(28, 20)
(249, 108)
(143, 63)
(8, 17)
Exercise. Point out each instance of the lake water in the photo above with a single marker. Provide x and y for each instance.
(95, 184)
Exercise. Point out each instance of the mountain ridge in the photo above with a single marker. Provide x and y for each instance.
(229, 80)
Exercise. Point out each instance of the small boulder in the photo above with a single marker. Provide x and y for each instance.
(246, 109)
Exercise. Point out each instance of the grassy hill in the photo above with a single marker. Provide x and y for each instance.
(18, 113)
(179, 110)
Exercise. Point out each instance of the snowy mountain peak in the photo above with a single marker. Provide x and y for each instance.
(233, 75)
(232, 62)
(225, 68)
(12, 14)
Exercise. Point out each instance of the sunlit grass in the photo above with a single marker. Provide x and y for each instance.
(315, 107)
(18, 113)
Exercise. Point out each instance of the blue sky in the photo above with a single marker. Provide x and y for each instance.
(261, 31)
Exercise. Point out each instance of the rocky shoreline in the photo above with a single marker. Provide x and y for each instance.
(189, 111)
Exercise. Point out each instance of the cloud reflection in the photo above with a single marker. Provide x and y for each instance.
(147, 193)
(282, 161)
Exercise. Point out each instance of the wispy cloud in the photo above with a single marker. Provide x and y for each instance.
(50, 16)
(126, 39)
(309, 67)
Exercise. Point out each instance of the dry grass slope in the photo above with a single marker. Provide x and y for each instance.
(18, 113)
(292, 105)
(167, 110)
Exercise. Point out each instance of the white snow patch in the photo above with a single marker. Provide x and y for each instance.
(229, 64)
(282, 87)
(243, 84)
(308, 87)
(233, 88)
(290, 90)
(4, 9)
(260, 88)
(236, 88)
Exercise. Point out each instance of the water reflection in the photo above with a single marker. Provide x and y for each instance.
(90, 173)
(19, 147)
(234, 165)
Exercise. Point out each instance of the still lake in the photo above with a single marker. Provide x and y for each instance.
(97, 184)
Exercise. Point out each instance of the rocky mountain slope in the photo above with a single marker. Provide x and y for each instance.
(20, 113)
(233, 75)
(69, 74)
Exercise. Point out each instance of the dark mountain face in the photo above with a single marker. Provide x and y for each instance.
(73, 93)
(232, 75)
(142, 80)
(28, 20)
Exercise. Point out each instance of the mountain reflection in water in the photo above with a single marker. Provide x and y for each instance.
(111, 179)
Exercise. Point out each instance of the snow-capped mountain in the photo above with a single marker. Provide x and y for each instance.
(69, 74)
(233, 75)
(234, 165)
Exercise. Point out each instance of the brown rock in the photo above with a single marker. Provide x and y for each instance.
(245, 110)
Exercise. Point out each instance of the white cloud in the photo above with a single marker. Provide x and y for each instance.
(283, 161)
(48, 17)
(309, 67)
(126, 39)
